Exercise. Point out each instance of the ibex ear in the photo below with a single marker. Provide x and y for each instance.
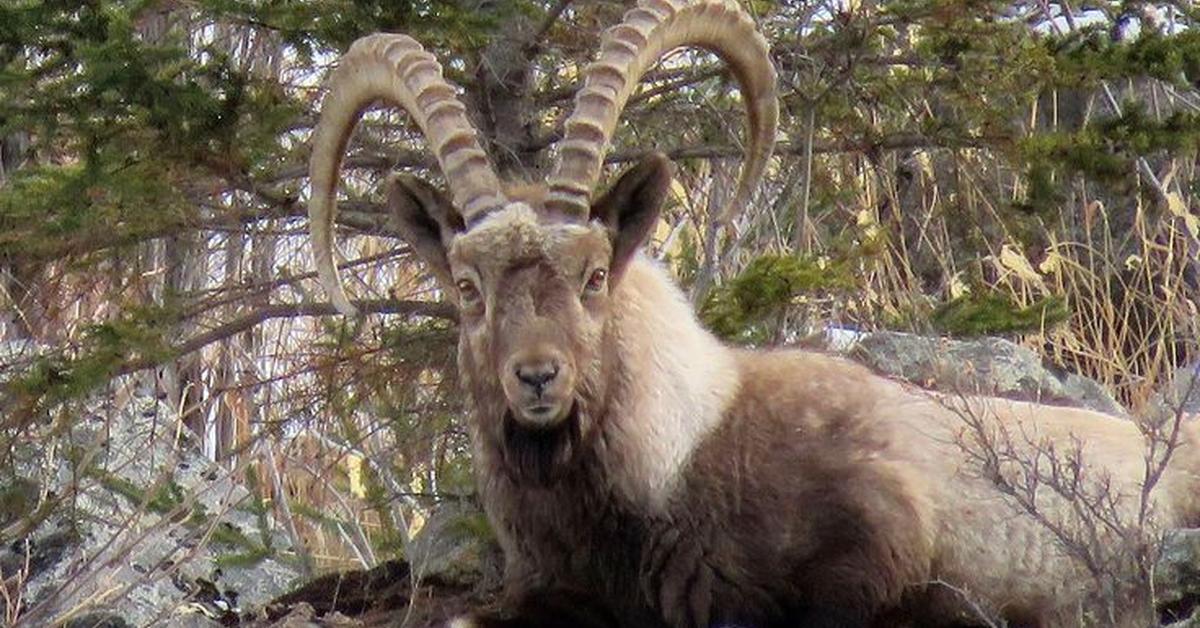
(631, 207)
(427, 219)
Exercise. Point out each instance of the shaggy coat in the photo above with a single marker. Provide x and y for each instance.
(626, 456)
(788, 488)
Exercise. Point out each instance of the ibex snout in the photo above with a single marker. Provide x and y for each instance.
(536, 376)
(539, 386)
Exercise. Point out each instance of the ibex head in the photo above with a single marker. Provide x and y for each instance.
(534, 267)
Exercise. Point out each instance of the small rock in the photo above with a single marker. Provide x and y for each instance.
(1181, 393)
(456, 545)
(1177, 577)
(302, 615)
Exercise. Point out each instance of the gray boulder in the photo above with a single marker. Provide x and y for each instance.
(991, 366)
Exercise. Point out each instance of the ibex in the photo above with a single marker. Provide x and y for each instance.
(624, 451)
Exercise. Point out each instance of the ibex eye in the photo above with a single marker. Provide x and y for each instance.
(467, 290)
(595, 282)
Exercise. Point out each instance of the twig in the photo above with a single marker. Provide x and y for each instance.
(289, 520)
(536, 40)
(970, 601)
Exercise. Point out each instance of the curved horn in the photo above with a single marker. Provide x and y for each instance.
(397, 69)
(627, 50)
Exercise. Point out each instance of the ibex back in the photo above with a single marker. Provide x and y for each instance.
(623, 451)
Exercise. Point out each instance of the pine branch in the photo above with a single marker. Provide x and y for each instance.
(291, 310)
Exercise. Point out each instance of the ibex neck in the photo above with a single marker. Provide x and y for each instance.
(673, 382)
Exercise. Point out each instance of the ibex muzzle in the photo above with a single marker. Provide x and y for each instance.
(536, 358)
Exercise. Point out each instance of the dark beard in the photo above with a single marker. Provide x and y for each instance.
(542, 456)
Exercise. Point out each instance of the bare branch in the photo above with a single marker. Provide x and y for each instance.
(392, 160)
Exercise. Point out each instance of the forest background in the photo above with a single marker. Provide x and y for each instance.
(957, 167)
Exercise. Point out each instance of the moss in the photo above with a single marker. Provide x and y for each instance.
(995, 314)
(167, 496)
(245, 559)
(473, 525)
(764, 288)
(227, 534)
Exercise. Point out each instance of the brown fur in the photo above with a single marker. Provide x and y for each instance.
(805, 507)
(623, 452)
(684, 483)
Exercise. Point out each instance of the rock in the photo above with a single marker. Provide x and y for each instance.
(456, 545)
(137, 524)
(97, 620)
(18, 497)
(454, 567)
(1191, 622)
(34, 555)
(1182, 392)
(351, 592)
(1088, 393)
(374, 598)
(196, 618)
(1177, 578)
(990, 366)
(303, 615)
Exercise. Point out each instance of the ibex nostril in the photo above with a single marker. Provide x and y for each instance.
(537, 376)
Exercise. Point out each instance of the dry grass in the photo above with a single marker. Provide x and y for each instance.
(353, 430)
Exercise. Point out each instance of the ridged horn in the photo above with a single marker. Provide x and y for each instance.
(627, 50)
(396, 69)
